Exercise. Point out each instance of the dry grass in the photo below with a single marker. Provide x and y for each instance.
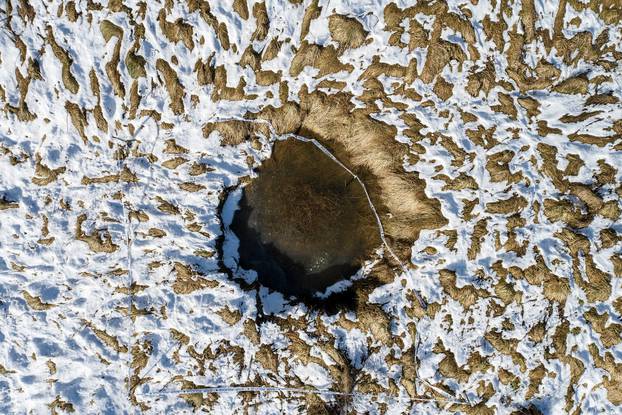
(443, 89)
(45, 175)
(506, 105)
(135, 65)
(232, 132)
(324, 58)
(610, 333)
(614, 380)
(126, 175)
(466, 295)
(21, 110)
(312, 12)
(35, 302)
(78, 118)
(107, 339)
(110, 30)
(511, 206)
(59, 404)
(66, 61)
(205, 71)
(177, 31)
(241, 8)
(99, 241)
(7, 204)
(263, 23)
(572, 86)
(346, 31)
(188, 281)
(173, 86)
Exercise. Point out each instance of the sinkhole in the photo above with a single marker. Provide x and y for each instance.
(303, 224)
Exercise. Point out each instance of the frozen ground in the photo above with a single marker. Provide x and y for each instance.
(112, 164)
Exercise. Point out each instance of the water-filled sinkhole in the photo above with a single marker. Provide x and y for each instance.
(303, 223)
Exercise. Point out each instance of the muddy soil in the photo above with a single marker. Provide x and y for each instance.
(304, 223)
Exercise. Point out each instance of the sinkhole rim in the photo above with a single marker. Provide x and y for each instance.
(359, 265)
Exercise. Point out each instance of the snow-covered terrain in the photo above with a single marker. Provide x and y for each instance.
(493, 132)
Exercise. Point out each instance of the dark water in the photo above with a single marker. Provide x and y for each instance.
(304, 223)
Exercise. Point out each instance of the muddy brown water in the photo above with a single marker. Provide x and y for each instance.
(303, 223)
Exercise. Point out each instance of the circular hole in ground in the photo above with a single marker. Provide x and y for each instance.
(304, 224)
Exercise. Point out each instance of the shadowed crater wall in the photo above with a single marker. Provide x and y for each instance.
(304, 223)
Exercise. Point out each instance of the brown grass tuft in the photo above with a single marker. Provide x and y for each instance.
(99, 241)
(263, 23)
(107, 339)
(173, 86)
(78, 118)
(43, 174)
(324, 58)
(312, 12)
(35, 302)
(187, 280)
(575, 85)
(241, 8)
(176, 31)
(63, 56)
(346, 31)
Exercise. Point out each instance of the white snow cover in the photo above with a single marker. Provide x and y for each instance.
(102, 327)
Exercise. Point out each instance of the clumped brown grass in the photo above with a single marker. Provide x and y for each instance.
(78, 118)
(45, 175)
(324, 58)
(513, 205)
(173, 86)
(205, 71)
(135, 65)
(125, 175)
(262, 22)
(312, 12)
(443, 89)
(177, 31)
(174, 162)
(99, 241)
(110, 30)
(60, 404)
(466, 295)
(233, 132)
(66, 61)
(35, 302)
(614, 380)
(241, 8)
(346, 31)
(7, 204)
(188, 280)
(610, 332)
(107, 339)
(572, 86)
(21, 110)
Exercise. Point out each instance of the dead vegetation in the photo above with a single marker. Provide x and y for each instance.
(45, 175)
(66, 61)
(503, 209)
(173, 86)
(346, 31)
(35, 302)
(7, 204)
(187, 280)
(107, 339)
(99, 240)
